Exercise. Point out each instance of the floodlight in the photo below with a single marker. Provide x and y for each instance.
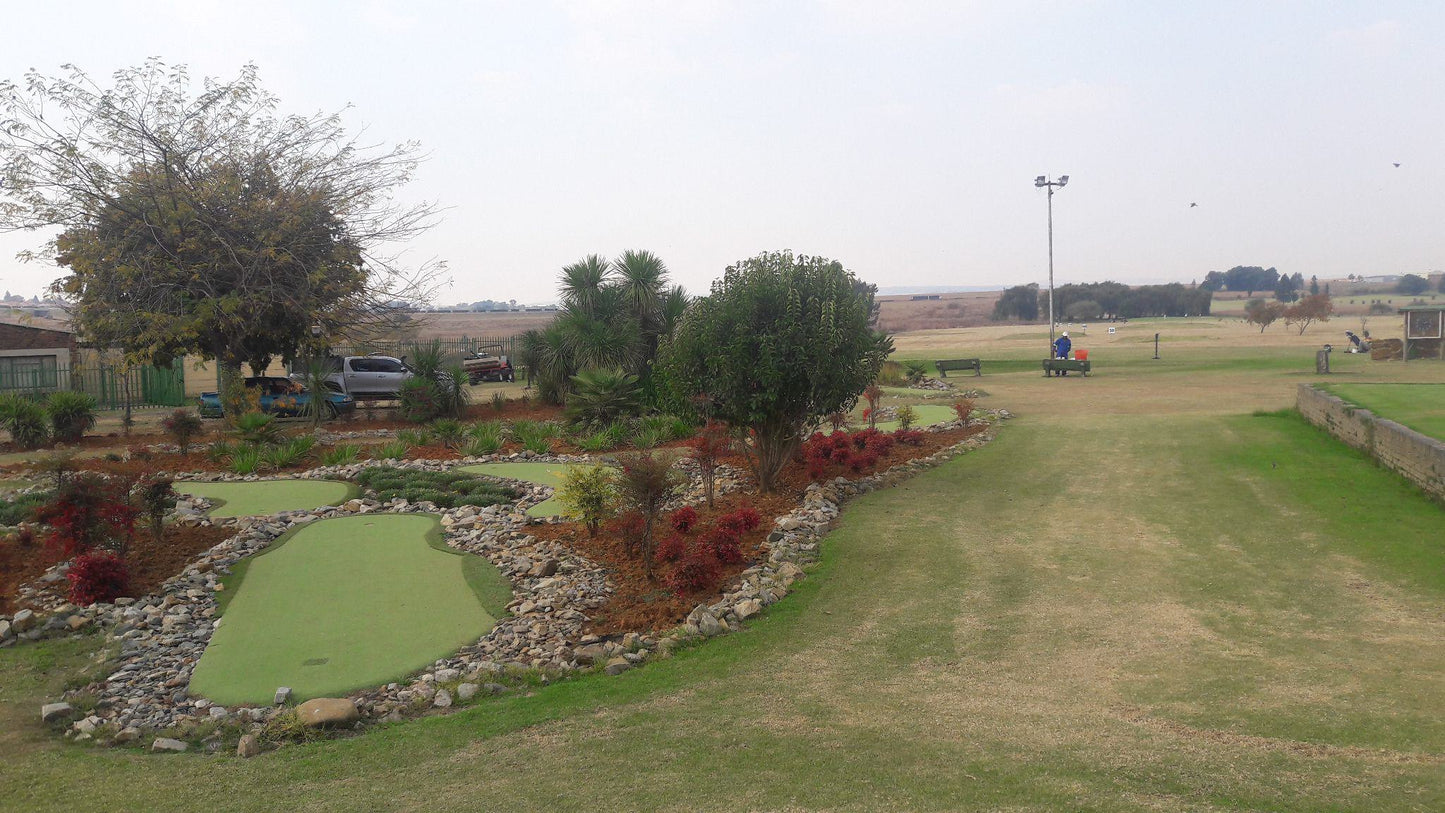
(1040, 181)
(1063, 179)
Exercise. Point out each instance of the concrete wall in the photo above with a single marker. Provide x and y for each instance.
(1420, 458)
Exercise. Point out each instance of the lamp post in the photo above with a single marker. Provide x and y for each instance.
(1043, 181)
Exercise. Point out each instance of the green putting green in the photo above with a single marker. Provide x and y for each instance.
(343, 604)
(542, 474)
(265, 497)
(924, 415)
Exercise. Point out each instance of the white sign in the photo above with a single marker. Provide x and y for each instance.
(1111, 331)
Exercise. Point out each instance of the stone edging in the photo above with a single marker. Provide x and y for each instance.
(1417, 457)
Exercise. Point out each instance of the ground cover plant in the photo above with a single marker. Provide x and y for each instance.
(417, 599)
(446, 489)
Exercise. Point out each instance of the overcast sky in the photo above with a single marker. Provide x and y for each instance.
(899, 138)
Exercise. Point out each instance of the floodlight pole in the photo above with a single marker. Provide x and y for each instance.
(1043, 181)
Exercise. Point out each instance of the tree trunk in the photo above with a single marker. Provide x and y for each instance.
(232, 386)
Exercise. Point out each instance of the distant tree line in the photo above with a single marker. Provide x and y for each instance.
(1103, 300)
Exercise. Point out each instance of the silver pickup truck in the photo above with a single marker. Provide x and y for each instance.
(367, 378)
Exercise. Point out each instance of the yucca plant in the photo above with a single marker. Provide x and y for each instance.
(258, 428)
(71, 414)
(396, 450)
(220, 451)
(25, 420)
(484, 438)
(499, 401)
(413, 437)
(290, 453)
(245, 459)
(448, 432)
(600, 397)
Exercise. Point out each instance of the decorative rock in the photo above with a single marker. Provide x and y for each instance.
(168, 744)
(708, 625)
(283, 695)
(127, 734)
(4, 629)
(51, 712)
(75, 622)
(248, 747)
(23, 620)
(748, 609)
(324, 711)
(443, 699)
(447, 675)
(467, 691)
(617, 666)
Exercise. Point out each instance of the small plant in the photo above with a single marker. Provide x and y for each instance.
(414, 437)
(220, 451)
(962, 408)
(420, 400)
(915, 371)
(343, 455)
(89, 513)
(97, 577)
(599, 397)
(445, 489)
(72, 414)
(58, 466)
(906, 416)
(673, 548)
(25, 420)
(648, 437)
(157, 497)
(839, 420)
(396, 450)
(288, 454)
(499, 402)
(706, 449)
(244, 459)
(723, 545)
(647, 482)
(535, 436)
(589, 495)
(740, 521)
(258, 429)
(891, 374)
(912, 437)
(22, 507)
(484, 438)
(694, 574)
(184, 426)
(448, 432)
(683, 519)
(873, 394)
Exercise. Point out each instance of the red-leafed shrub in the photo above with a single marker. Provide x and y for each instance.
(706, 449)
(89, 512)
(963, 407)
(96, 577)
(696, 573)
(853, 451)
(913, 437)
(683, 519)
(672, 548)
(740, 521)
(628, 527)
(722, 545)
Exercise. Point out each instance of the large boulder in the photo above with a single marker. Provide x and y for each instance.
(51, 712)
(328, 711)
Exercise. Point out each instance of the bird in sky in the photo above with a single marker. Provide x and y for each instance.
(1397, 165)
(1192, 205)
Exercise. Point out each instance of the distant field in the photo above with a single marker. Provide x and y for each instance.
(898, 314)
(1418, 406)
(501, 325)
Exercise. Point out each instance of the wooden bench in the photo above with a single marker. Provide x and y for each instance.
(1052, 366)
(958, 364)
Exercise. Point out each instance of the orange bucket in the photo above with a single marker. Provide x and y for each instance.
(1081, 355)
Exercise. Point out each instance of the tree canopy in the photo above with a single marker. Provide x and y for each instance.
(205, 222)
(780, 342)
(1412, 285)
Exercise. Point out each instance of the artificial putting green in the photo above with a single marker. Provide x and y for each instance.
(924, 415)
(542, 474)
(343, 604)
(265, 497)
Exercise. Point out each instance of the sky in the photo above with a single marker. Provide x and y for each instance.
(901, 139)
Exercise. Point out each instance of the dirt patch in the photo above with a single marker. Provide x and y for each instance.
(150, 561)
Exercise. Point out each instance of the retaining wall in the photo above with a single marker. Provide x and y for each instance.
(1420, 458)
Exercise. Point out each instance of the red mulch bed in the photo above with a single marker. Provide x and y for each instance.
(643, 603)
(150, 562)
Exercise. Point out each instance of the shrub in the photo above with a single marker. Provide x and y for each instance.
(258, 428)
(741, 521)
(342, 455)
(25, 420)
(97, 577)
(446, 489)
(856, 451)
(396, 450)
(448, 432)
(873, 394)
(683, 519)
(22, 507)
(696, 573)
(414, 437)
(890, 374)
(599, 397)
(245, 459)
(420, 401)
(157, 498)
(915, 371)
(673, 548)
(452, 390)
(723, 545)
(484, 438)
(706, 449)
(647, 437)
(628, 527)
(184, 426)
(499, 402)
(589, 495)
(906, 416)
(89, 513)
(913, 437)
(535, 436)
(71, 414)
(220, 451)
(962, 408)
(647, 482)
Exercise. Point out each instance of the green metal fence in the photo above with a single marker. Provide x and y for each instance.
(452, 346)
(110, 386)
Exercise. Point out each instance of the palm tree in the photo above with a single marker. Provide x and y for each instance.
(582, 283)
(641, 275)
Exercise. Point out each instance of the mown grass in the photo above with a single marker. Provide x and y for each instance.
(1418, 406)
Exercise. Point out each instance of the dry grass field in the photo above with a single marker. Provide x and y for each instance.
(498, 325)
(899, 314)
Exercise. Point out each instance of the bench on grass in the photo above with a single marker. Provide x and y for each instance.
(958, 364)
(1052, 366)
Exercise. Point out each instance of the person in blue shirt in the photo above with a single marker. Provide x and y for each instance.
(1062, 346)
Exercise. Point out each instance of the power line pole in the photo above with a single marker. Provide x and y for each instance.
(1043, 181)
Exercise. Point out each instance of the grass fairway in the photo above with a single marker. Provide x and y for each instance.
(264, 497)
(1418, 406)
(1139, 598)
(543, 474)
(344, 604)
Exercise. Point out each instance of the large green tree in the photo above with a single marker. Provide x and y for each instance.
(205, 222)
(779, 343)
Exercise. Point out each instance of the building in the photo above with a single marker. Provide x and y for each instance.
(35, 358)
